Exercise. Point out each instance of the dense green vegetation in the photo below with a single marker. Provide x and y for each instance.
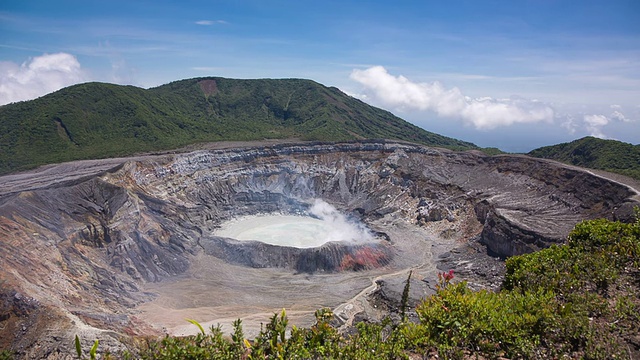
(578, 300)
(609, 155)
(97, 120)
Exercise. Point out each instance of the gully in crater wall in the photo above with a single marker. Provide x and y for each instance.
(83, 249)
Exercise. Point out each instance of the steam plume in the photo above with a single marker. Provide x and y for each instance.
(341, 228)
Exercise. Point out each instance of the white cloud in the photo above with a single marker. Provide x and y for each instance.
(38, 76)
(483, 113)
(594, 124)
(569, 123)
(617, 115)
(210, 22)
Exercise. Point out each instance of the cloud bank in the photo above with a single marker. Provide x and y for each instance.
(595, 122)
(38, 76)
(482, 113)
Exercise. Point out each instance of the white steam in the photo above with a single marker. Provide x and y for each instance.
(340, 228)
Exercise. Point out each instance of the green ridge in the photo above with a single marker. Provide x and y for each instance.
(98, 120)
(609, 155)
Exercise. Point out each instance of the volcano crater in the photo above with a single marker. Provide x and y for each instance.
(144, 237)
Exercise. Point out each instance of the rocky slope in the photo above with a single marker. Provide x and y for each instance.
(78, 246)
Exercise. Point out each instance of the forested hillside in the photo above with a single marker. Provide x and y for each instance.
(98, 120)
(609, 155)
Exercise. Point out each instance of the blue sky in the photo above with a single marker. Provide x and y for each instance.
(510, 74)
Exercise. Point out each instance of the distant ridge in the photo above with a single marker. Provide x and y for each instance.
(99, 120)
(609, 155)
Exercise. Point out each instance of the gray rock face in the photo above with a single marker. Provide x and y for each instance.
(87, 245)
(330, 257)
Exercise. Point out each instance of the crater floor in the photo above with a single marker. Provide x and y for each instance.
(215, 292)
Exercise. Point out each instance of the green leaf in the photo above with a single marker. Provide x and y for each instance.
(93, 350)
(197, 324)
(78, 347)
